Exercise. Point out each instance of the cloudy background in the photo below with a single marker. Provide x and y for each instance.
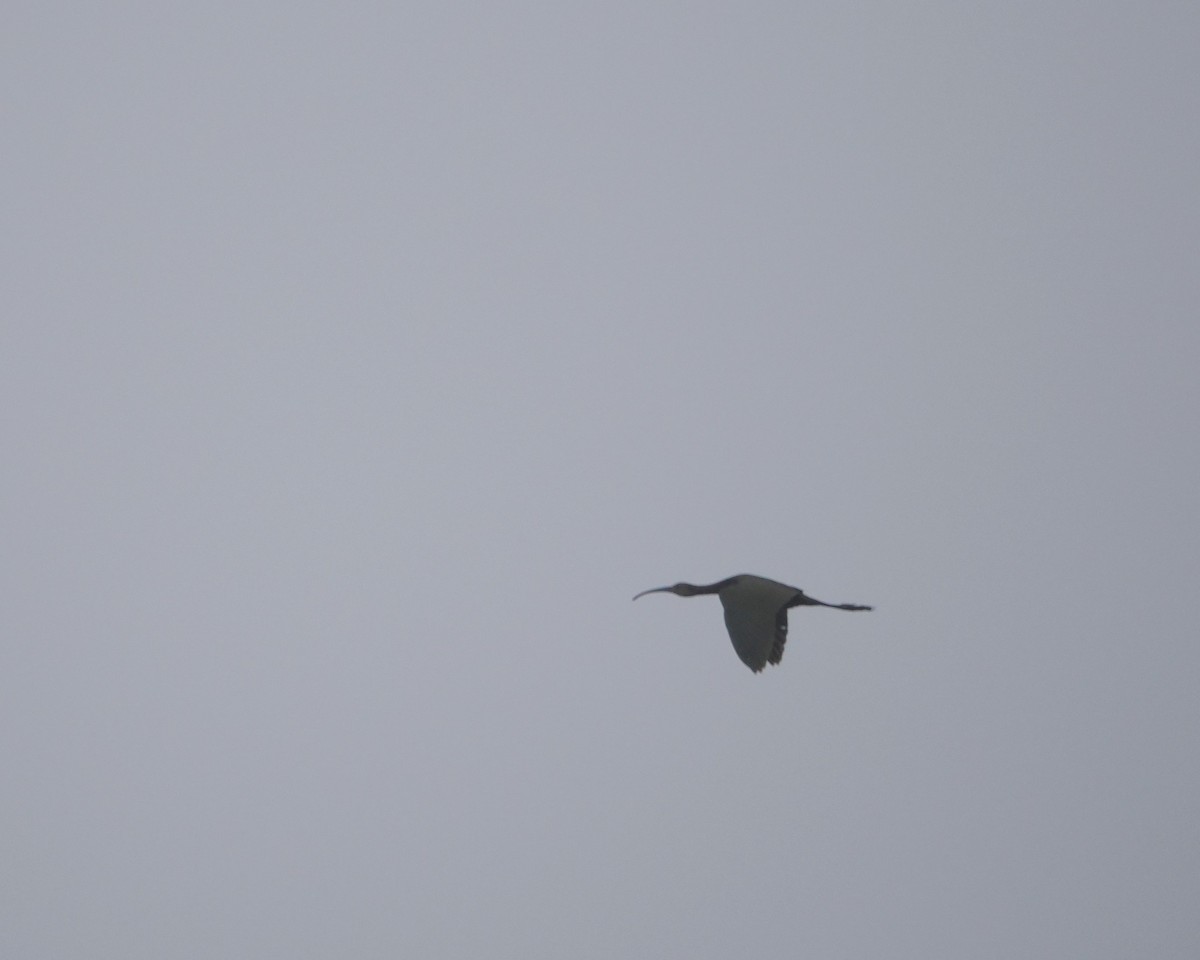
(361, 361)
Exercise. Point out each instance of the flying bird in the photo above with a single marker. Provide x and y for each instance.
(755, 613)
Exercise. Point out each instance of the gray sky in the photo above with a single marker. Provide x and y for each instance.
(361, 361)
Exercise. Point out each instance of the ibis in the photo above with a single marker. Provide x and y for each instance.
(755, 613)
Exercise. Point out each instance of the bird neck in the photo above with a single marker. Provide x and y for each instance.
(696, 590)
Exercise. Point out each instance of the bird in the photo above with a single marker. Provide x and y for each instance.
(755, 613)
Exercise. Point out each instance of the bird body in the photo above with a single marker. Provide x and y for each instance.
(755, 613)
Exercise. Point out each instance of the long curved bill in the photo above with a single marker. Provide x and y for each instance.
(655, 590)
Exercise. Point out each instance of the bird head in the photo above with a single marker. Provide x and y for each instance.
(679, 589)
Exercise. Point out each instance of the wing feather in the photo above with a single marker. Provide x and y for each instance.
(781, 625)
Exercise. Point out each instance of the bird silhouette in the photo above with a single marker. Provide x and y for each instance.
(755, 613)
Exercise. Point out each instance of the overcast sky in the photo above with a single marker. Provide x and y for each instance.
(360, 361)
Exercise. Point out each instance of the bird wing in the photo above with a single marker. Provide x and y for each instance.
(758, 630)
